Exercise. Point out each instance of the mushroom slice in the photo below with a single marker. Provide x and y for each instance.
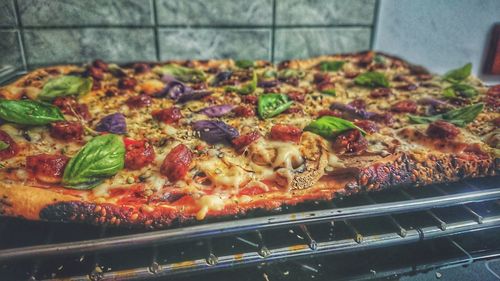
(315, 156)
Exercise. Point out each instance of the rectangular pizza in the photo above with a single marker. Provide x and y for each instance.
(150, 144)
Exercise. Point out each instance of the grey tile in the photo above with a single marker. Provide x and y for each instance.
(45, 46)
(11, 48)
(306, 42)
(207, 43)
(214, 12)
(310, 12)
(87, 12)
(7, 13)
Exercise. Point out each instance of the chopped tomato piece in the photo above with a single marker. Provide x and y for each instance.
(12, 149)
(244, 111)
(168, 115)
(286, 133)
(245, 140)
(138, 154)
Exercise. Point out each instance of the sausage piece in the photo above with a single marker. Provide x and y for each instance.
(442, 130)
(351, 142)
(67, 131)
(177, 162)
(47, 168)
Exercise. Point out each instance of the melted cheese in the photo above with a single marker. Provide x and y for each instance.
(208, 203)
(276, 154)
(222, 174)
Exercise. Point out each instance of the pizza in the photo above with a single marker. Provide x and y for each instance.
(155, 144)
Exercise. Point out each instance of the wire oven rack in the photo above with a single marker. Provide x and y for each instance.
(364, 222)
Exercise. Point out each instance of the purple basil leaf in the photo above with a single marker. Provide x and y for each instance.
(179, 92)
(221, 77)
(217, 110)
(435, 106)
(175, 90)
(268, 83)
(193, 95)
(213, 131)
(351, 111)
(114, 123)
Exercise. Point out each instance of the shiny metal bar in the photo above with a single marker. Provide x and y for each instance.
(297, 251)
(401, 230)
(440, 222)
(245, 225)
(310, 240)
(475, 215)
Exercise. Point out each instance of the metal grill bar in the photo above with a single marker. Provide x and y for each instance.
(300, 250)
(244, 225)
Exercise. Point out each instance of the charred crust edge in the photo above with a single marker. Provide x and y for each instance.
(405, 170)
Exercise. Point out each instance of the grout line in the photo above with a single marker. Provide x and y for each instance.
(208, 26)
(273, 32)
(373, 34)
(157, 40)
(20, 34)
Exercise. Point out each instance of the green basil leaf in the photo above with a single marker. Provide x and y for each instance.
(270, 105)
(269, 74)
(466, 114)
(423, 119)
(102, 157)
(65, 86)
(459, 74)
(330, 92)
(184, 74)
(329, 126)
(331, 65)
(3, 145)
(245, 64)
(28, 112)
(291, 73)
(460, 90)
(372, 79)
(245, 88)
(460, 117)
(380, 59)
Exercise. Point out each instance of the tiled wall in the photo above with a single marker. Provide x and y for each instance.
(37, 32)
